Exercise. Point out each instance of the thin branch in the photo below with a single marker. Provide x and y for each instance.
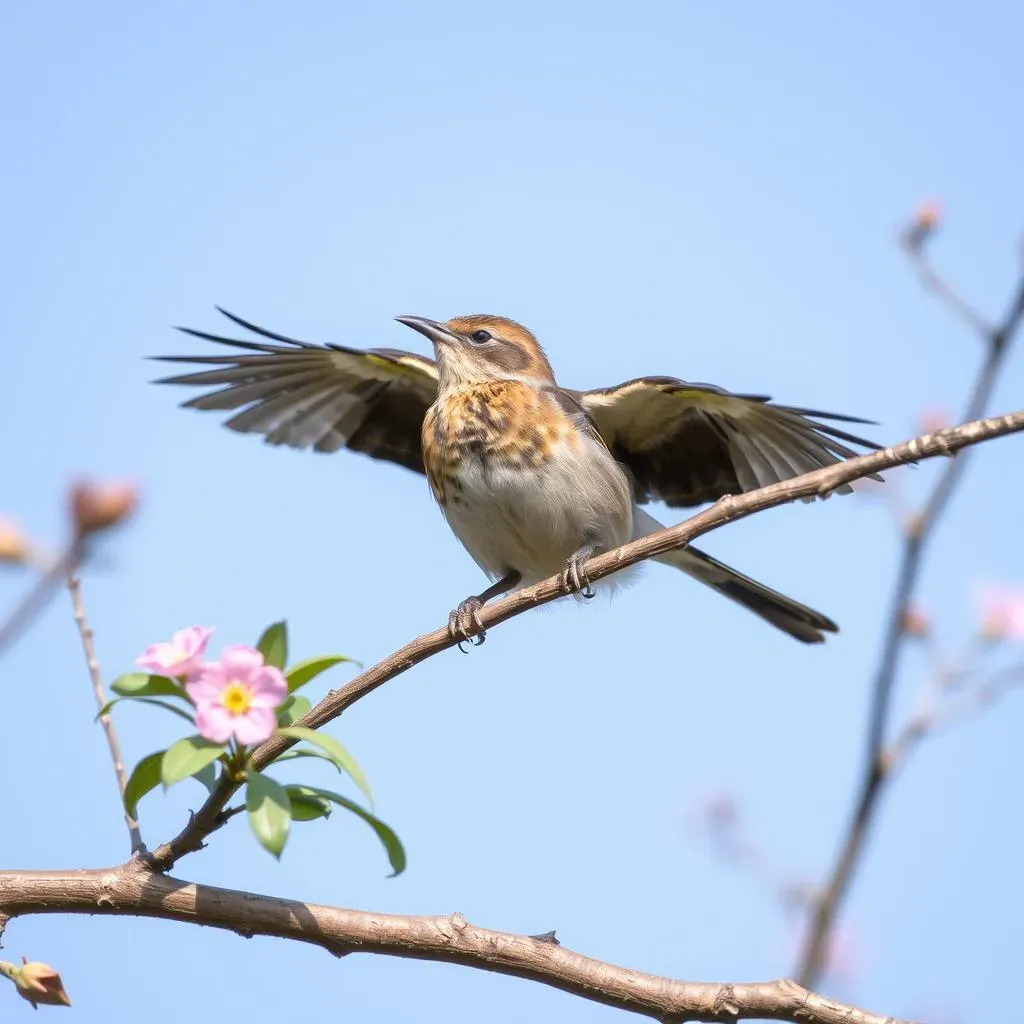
(919, 534)
(934, 282)
(39, 596)
(89, 649)
(820, 483)
(134, 891)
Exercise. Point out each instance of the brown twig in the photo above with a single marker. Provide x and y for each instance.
(89, 649)
(133, 890)
(919, 533)
(820, 483)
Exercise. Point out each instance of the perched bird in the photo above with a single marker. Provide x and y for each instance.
(533, 478)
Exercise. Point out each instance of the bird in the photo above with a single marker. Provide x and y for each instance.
(533, 478)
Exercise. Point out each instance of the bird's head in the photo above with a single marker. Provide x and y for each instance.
(479, 348)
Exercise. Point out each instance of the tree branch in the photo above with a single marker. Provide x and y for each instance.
(39, 596)
(89, 649)
(133, 890)
(820, 483)
(877, 766)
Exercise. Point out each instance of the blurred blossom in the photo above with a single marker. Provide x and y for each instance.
(932, 419)
(844, 960)
(1001, 612)
(37, 982)
(915, 622)
(927, 218)
(718, 810)
(183, 656)
(14, 546)
(99, 506)
(237, 696)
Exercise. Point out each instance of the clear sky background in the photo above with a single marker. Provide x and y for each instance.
(709, 190)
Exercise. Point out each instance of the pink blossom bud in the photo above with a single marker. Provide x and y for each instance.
(99, 506)
(38, 983)
(927, 218)
(915, 622)
(14, 546)
(932, 419)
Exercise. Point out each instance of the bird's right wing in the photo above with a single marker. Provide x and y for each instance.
(323, 397)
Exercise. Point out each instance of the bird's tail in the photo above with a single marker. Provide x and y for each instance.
(799, 621)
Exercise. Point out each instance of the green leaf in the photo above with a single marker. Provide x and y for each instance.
(273, 645)
(105, 710)
(142, 684)
(392, 844)
(293, 709)
(270, 811)
(334, 751)
(207, 776)
(306, 807)
(303, 671)
(145, 776)
(186, 757)
(295, 752)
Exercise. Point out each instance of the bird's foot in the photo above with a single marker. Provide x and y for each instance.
(574, 577)
(464, 625)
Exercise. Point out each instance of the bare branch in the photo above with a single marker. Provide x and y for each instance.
(919, 534)
(820, 483)
(39, 596)
(133, 890)
(934, 282)
(89, 649)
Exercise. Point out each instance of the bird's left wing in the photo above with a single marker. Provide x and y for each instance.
(686, 444)
(323, 397)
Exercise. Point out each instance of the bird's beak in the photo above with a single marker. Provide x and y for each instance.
(437, 333)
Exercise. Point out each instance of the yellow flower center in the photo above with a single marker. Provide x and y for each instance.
(237, 698)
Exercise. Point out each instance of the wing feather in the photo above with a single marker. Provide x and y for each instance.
(687, 443)
(305, 395)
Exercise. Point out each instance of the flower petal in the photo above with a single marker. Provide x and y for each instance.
(208, 685)
(241, 662)
(256, 725)
(268, 687)
(215, 723)
(193, 640)
(158, 657)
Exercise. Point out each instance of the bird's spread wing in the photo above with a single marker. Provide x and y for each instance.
(323, 397)
(686, 444)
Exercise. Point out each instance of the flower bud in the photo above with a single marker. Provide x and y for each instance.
(927, 218)
(14, 546)
(99, 506)
(37, 982)
(914, 622)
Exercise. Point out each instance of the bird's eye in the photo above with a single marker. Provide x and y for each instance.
(481, 336)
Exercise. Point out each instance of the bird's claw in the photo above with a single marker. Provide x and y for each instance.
(575, 579)
(464, 625)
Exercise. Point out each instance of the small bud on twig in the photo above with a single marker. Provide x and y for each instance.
(927, 219)
(14, 546)
(97, 507)
(914, 622)
(37, 982)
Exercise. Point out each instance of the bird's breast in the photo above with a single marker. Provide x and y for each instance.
(498, 427)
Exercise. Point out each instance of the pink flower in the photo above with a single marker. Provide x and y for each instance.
(237, 696)
(183, 656)
(1002, 612)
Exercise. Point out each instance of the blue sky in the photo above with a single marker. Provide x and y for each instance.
(704, 190)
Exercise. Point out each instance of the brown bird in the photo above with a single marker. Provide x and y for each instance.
(533, 478)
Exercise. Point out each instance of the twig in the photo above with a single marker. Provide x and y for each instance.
(38, 597)
(89, 649)
(932, 280)
(820, 483)
(134, 891)
(919, 533)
